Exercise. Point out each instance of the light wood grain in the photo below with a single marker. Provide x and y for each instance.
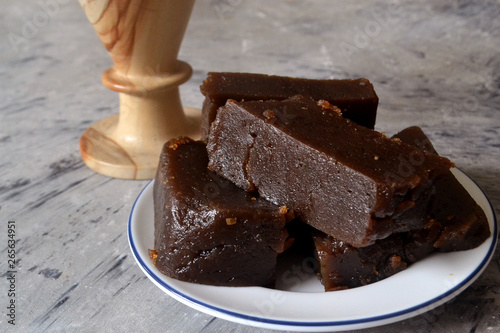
(143, 38)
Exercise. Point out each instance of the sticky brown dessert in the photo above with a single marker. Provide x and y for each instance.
(465, 225)
(207, 230)
(455, 223)
(342, 266)
(339, 177)
(356, 98)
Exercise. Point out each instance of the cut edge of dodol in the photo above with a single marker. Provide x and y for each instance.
(256, 113)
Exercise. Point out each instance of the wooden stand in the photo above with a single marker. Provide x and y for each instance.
(143, 38)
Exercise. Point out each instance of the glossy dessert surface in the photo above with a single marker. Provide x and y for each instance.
(464, 223)
(341, 178)
(342, 266)
(455, 223)
(356, 98)
(209, 231)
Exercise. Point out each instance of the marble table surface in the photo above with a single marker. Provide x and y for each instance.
(434, 63)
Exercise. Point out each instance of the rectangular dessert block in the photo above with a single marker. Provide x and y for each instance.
(342, 266)
(465, 225)
(455, 223)
(207, 230)
(356, 98)
(341, 178)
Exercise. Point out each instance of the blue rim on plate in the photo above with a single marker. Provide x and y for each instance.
(281, 324)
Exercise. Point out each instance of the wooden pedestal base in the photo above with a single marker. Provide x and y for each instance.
(118, 156)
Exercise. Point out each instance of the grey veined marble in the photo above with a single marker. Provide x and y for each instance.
(434, 64)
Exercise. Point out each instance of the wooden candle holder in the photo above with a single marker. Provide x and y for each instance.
(143, 38)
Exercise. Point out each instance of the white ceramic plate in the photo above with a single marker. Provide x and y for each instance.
(299, 302)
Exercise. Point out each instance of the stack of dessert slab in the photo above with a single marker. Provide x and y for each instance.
(287, 160)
